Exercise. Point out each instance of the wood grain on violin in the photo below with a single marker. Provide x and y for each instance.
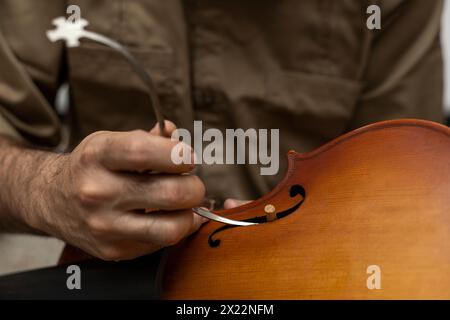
(377, 196)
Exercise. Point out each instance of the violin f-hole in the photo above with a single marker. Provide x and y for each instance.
(270, 216)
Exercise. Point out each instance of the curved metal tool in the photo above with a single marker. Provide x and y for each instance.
(212, 216)
(72, 32)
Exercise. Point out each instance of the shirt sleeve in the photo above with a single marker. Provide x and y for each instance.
(8, 130)
(30, 71)
(403, 73)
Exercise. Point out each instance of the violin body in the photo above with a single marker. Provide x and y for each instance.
(374, 203)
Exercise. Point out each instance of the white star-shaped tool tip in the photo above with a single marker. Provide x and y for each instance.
(71, 32)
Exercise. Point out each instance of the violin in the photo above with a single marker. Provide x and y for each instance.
(377, 198)
(366, 216)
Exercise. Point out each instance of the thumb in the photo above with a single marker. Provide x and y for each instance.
(197, 222)
(169, 125)
(233, 203)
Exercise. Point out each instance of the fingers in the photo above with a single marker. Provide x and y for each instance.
(139, 151)
(125, 191)
(159, 228)
(233, 203)
(126, 235)
(169, 126)
(128, 249)
(137, 235)
(164, 192)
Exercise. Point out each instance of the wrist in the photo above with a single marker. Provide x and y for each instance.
(27, 175)
(45, 193)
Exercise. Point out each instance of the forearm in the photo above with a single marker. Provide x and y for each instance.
(23, 185)
(90, 196)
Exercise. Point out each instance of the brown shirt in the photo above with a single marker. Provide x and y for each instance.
(310, 68)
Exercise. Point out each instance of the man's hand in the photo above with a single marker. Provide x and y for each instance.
(233, 203)
(94, 197)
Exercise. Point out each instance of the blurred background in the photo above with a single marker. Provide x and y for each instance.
(446, 47)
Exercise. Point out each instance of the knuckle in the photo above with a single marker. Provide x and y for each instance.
(91, 145)
(139, 133)
(172, 233)
(199, 189)
(88, 154)
(96, 225)
(173, 193)
(90, 192)
(185, 191)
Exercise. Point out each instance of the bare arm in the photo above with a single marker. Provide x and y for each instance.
(94, 196)
(21, 175)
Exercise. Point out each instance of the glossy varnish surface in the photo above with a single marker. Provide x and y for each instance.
(376, 196)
